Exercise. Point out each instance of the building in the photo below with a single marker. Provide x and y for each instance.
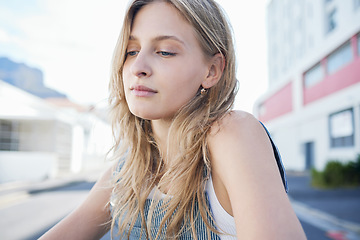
(312, 106)
(39, 139)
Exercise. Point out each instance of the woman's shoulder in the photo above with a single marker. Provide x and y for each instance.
(238, 137)
(239, 124)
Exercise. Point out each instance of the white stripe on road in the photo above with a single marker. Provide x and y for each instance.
(325, 221)
(13, 198)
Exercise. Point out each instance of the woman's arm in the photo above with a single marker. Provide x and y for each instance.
(91, 219)
(247, 180)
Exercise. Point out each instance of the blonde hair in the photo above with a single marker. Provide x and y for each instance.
(142, 165)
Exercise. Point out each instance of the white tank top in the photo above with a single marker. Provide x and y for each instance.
(224, 221)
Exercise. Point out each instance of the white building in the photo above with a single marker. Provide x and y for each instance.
(39, 140)
(312, 107)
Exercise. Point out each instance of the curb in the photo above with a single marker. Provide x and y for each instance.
(16, 192)
(13, 196)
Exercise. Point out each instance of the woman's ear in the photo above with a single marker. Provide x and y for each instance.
(216, 68)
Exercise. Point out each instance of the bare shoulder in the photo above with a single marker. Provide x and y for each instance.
(240, 148)
(239, 126)
(234, 120)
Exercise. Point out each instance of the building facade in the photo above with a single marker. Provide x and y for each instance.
(312, 106)
(40, 140)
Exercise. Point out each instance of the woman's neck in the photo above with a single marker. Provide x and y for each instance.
(160, 129)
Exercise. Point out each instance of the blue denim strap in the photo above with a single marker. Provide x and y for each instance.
(278, 160)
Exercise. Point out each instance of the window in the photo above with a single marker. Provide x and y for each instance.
(309, 10)
(9, 140)
(331, 20)
(342, 129)
(310, 41)
(299, 51)
(339, 58)
(314, 75)
(356, 4)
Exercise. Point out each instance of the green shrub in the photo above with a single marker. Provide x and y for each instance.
(352, 172)
(317, 179)
(334, 174)
(337, 174)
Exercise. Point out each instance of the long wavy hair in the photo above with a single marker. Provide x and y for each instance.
(142, 164)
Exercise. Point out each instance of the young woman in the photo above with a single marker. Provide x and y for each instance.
(188, 167)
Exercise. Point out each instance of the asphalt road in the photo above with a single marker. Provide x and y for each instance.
(343, 203)
(30, 217)
(326, 214)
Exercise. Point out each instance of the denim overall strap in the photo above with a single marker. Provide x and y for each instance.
(278, 160)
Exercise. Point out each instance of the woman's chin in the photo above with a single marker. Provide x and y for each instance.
(148, 115)
(144, 114)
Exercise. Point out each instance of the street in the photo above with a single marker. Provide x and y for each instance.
(30, 216)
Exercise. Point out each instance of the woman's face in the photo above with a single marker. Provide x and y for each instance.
(165, 65)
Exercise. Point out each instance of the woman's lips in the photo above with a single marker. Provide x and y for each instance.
(142, 91)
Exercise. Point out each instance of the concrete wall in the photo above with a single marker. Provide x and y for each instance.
(27, 166)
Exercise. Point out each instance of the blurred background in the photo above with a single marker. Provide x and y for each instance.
(299, 73)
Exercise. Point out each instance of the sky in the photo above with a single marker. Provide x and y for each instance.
(72, 42)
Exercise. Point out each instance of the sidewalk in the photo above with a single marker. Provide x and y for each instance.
(334, 210)
(15, 192)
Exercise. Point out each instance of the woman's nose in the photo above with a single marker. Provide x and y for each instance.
(141, 65)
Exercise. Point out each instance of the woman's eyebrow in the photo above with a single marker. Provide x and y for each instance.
(168, 37)
(160, 38)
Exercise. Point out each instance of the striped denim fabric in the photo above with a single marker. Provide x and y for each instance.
(139, 233)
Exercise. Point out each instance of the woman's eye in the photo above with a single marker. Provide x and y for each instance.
(131, 53)
(166, 54)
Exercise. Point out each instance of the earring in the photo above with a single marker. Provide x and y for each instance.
(203, 91)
